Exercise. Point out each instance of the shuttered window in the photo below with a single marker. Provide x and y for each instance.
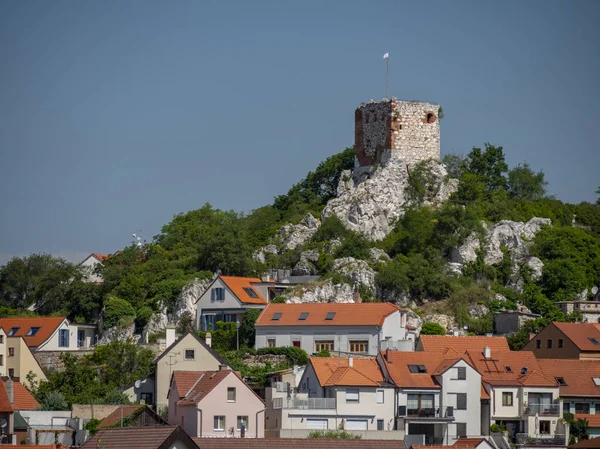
(461, 429)
(356, 424)
(380, 396)
(461, 401)
(462, 372)
(316, 424)
(352, 395)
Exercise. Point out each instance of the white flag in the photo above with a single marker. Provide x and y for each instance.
(387, 55)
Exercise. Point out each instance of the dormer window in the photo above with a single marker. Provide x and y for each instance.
(251, 292)
(593, 340)
(561, 381)
(32, 331)
(276, 316)
(13, 331)
(417, 369)
(330, 316)
(303, 316)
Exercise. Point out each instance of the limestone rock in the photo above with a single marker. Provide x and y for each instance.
(358, 271)
(582, 296)
(467, 252)
(188, 297)
(536, 266)
(499, 297)
(327, 292)
(158, 321)
(516, 236)
(454, 268)
(414, 320)
(332, 246)
(306, 264)
(478, 310)
(119, 333)
(446, 321)
(379, 255)
(260, 254)
(294, 235)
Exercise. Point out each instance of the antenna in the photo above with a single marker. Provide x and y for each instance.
(137, 239)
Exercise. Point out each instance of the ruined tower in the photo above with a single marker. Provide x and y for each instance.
(409, 130)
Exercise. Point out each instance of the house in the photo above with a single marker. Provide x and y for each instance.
(189, 353)
(132, 416)
(522, 397)
(228, 298)
(296, 443)
(438, 398)
(17, 361)
(52, 426)
(363, 328)
(333, 393)
(589, 310)
(462, 443)
(215, 404)
(510, 321)
(13, 398)
(50, 333)
(566, 341)
(161, 437)
(90, 265)
(579, 385)
(459, 344)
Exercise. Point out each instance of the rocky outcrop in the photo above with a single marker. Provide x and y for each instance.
(413, 320)
(379, 255)
(357, 271)
(294, 235)
(370, 199)
(186, 303)
(120, 333)
(260, 255)
(327, 292)
(158, 321)
(446, 321)
(306, 266)
(478, 310)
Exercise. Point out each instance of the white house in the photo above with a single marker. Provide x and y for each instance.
(89, 265)
(350, 327)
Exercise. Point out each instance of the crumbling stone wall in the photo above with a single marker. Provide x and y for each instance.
(50, 360)
(408, 130)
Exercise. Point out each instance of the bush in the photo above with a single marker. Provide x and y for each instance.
(322, 353)
(297, 356)
(92, 426)
(431, 328)
(115, 309)
(334, 435)
(54, 400)
(278, 300)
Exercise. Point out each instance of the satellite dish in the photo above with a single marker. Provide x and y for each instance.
(3, 423)
(134, 236)
(138, 383)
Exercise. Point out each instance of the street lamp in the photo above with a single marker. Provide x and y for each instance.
(237, 326)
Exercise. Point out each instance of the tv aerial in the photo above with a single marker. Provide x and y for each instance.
(137, 239)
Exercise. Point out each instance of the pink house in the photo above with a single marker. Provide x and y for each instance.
(215, 404)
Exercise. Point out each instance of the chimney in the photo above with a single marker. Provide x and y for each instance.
(208, 339)
(350, 362)
(455, 333)
(10, 391)
(224, 368)
(266, 277)
(387, 356)
(357, 298)
(487, 352)
(170, 334)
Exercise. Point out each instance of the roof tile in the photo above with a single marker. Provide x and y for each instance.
(47, 327)
(296, 443)
(333, 371)
(577, 374)
(459, 344)
(580, 334)
(237, 284)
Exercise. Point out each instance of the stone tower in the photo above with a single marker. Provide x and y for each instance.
(409, 130)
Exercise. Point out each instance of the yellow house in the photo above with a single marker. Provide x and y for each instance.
(17, 360)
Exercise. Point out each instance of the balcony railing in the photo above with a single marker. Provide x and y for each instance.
(523, 439)
(444, 412)
(281, 387)
(542, 409)
(304, 403)
(397, 345)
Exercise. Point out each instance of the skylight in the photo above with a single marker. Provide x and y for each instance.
(593, 340)
(276, 316)
(251, 292)
(303, 316)
(560, 381)
(330, 316)
(508, 369)
(32, 331)
(417, 369)
(13, 331)
(596, 381)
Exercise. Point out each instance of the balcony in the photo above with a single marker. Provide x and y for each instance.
(541, 409)
(397, 345)
(281, 387)
(444, 413)
(304, 403)
(556, 440)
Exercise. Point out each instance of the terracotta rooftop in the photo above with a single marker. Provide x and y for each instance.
(47, 326)
(582, 335)
(465, 443)
(5, 405)
(332, 371)
(578, 375)
(138, 438)
(204, 383)
(100, 257)
(23, 400)
(593, 420)
(241, 287)
(593, 443)
(326, 314)
(458, 345)
(398, 365)
(295, 443)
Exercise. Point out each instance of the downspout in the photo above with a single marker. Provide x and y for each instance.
(257, 413)
(200, 410)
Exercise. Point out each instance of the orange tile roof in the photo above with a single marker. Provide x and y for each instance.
(205, 382)
(397, 362)
(332, 371)
(441, 343)
(41, 446)
(580, 334)
(593, 420)
(47, 327)
(5, 405)
(184, 380)
(237, 285)
(297, 443)
(463, 443)
(100, 257)
(346, 314)
(139, 438)
(23, 400)
(577, 374)
(484, 393)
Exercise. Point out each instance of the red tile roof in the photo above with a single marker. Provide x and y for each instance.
(23, 400)
(5, 405)
(47, 327)
(346, 314)
(462, 443)
(577, 374)
(580, 334)
(593, 443)
(184, 380)
(332, 371)
(205, 382)
(237, 286)
(100, 257)
(593, 420)
(397, 363)
(138, 438)
(458, 345)
(296, 443)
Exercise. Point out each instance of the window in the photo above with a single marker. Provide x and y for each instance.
(380, 424)
(560, 381)
(593, 340)
(1, 360)
(417, 369)
(11, 372)
(63, 338)
(330, 316)
(303, 316)
(582, 408)
(231, 394)
(325, 345)
(219, 423)
(13, 331)
(276, 316)
(461, 429)
(380, 396)
(251, 292)
(271, 342)
(420, 405)
(566, 407)
(242, 420)
(146, 397)
(462, 372)
(461, 401)
(507, 399)
(538, 344)
(1, 339)
(217, 294)
(190, 354)
(32, 331)
(544, 427)
(508, 369)
(596, 381)
(296, 343)
(549, 343)
(359, 346)
(352, 395)
(11, 352)
(561, 343)
(317, 424)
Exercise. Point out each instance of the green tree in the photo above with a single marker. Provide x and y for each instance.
(334, 435)
(489, 165)
(454, 165)
(115, 311)
(523, 183)
(430, 328)
(54, 400)
(598, 193)
(247, 329)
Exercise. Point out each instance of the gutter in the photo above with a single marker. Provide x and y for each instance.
(200, 410)
(257, 413)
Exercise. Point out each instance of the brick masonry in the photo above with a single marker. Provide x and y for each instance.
(409, 130)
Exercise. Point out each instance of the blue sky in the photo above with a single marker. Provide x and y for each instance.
(115, 115)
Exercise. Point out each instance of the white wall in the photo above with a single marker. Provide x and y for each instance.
(3, 353)
(394, 326)
(500, 411)
(52, 344)
(89, 265)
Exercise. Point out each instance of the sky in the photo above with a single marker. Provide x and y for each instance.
(115, 115)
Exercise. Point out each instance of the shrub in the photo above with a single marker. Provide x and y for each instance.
(92, 426)
(322, 353)
(298, 356)
(431, 328)
(54, 400)
(334, 435)
(115, 309)
(278, 300)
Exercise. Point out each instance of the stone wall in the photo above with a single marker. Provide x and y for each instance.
(50, 360)
(409, 129)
